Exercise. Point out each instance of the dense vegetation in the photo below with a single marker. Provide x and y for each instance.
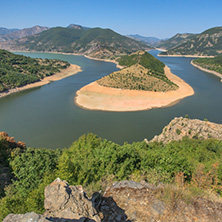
(214, 64)
(144, 59)
(94, 162)
(207, 43)
(96, 42)
(142, 72)
(18, 70)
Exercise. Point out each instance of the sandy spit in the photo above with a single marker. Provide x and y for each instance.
(71, 70)
(207, 70)
(96, 97)
(106, 60)
(191, 56)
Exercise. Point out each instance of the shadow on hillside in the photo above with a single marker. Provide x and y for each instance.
(82, 219)
(105, 207)
(108, 208)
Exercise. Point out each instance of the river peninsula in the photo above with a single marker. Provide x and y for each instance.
(71, 70)
(96, 97)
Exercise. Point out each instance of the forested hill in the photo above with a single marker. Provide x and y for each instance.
(18, 70)
(142, 72)
(212, 64)
(207, 43)
(95, 42)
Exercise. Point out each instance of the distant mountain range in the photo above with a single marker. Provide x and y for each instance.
(95, 42)
(22, 33)
(4, 31)
(105, 43)
(207, 43)
(174, 41)
(152, 41)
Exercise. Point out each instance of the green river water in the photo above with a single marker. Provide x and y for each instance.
(48, 117)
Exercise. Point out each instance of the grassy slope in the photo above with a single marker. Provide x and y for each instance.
(142, 72)
(18, 70)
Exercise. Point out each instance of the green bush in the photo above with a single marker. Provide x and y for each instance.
(94, 163)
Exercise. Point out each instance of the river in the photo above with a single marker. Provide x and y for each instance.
(48, 117)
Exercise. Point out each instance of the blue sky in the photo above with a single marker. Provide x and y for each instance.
(159, 18)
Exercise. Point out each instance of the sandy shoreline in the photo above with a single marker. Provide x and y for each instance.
(191, 56)
(96, 97)
(71, 70)
(106, 60)
(160, 49)
(207, 70)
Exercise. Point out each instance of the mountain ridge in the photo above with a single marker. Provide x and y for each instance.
(4, 31)
(152, 41)
(95, 42)
(207, 43)
(23, 33)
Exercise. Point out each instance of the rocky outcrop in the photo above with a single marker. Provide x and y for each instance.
(68, 202)
(143, 202)
(191, 128)
(123, 201)
(25, 218)
(131, 201)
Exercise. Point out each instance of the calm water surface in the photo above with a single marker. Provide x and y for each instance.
(47, 116)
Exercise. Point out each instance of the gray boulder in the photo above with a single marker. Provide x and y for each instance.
(28, 217)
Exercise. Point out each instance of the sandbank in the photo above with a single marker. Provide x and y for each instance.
(191, 56)
(105, 60)
(96, 97)
(71, 70)
(207, 70)
(160, 49)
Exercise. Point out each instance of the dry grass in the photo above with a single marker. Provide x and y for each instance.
(137, 77)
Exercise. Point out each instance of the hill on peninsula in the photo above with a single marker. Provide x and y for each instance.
(94, 42)
(207, 43)
(18, 70)
(142, 72)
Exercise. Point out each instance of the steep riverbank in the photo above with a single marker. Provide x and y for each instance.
(207, 70)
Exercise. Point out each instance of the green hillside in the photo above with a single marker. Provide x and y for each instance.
(214, 64)
(142, 72)
(18, 70)
(207, 43)
(174, 41)
(96, 42)
(95, 163)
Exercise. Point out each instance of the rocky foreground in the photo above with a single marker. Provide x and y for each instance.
(123, 201)
(191, 128)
